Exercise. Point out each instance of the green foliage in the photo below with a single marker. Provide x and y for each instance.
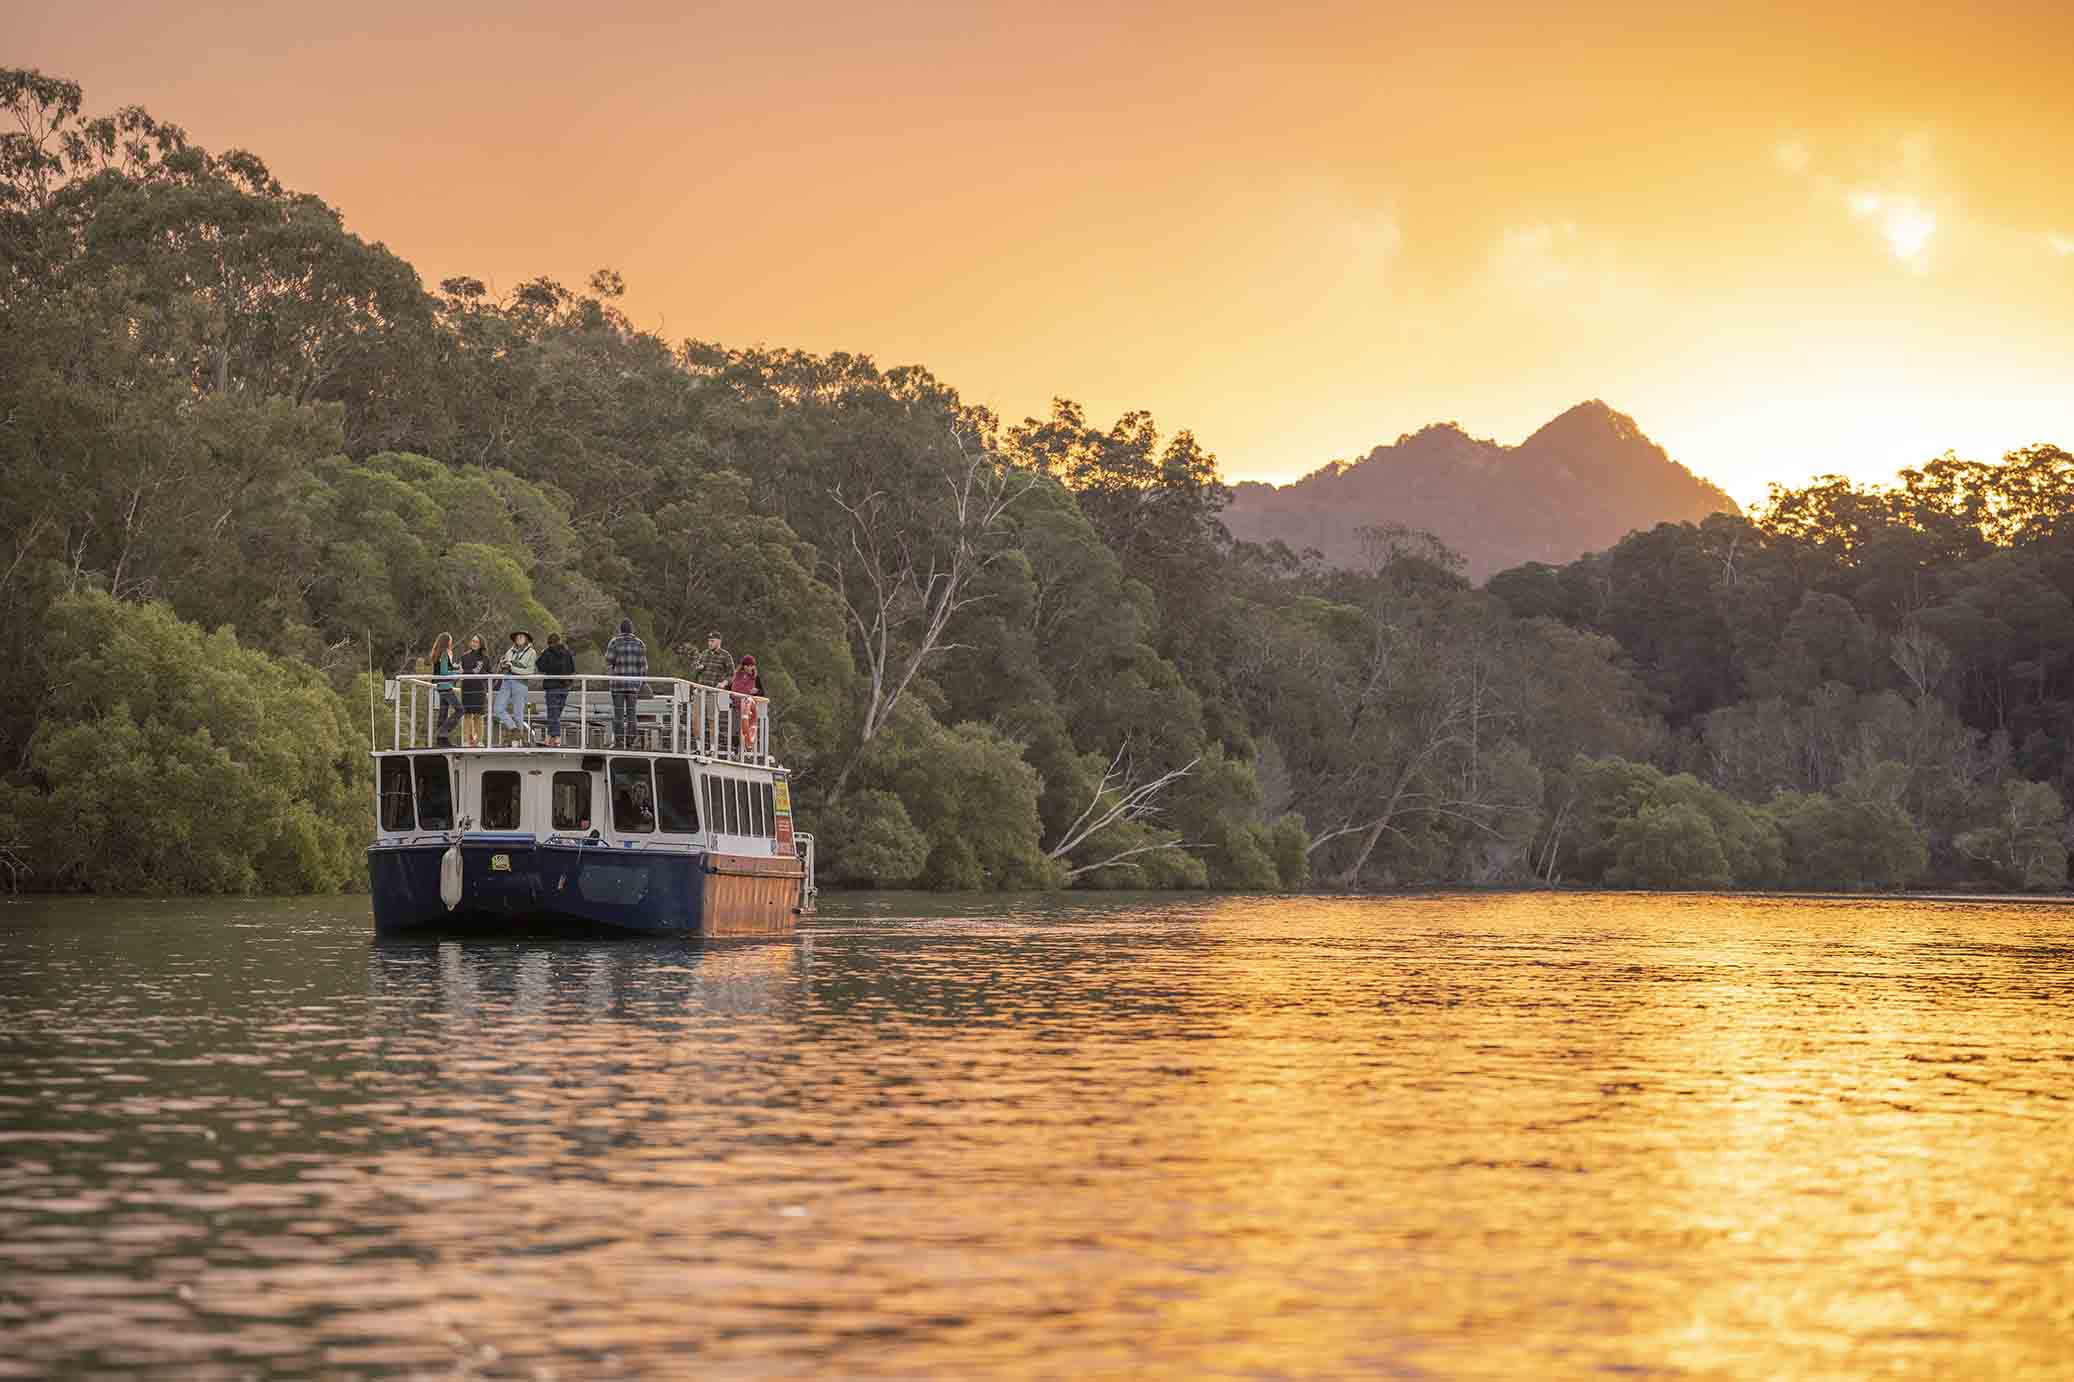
(1825, 643)
(1631, 825)
(1595, 795)
(174, 761)
(869, 838)
(1154, 504)
(970, 795)
(1667, 845)
(1288, 845)
(2024, 844)
(1856, 841)
(226, 411)
(1217, 810)
(718, 563)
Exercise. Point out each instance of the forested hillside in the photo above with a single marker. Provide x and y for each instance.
(245, 454)
(1579, 484)
(1890, 670)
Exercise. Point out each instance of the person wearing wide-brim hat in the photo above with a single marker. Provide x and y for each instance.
(517, 666)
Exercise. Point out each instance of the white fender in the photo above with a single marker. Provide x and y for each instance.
(450, 877)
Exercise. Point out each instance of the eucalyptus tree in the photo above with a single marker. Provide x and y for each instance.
(1155, 502)
(920, 531)
(561, 387)
(245, 287)
(1382, 694)
(2023, 842)
(709, 560)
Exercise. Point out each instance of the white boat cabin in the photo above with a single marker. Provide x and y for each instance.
(674, 767)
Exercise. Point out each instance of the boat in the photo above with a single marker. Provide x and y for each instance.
(685, 828)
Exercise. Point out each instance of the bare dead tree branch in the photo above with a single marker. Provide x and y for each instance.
(1119, 798)
(907, 575)
(1121, 856)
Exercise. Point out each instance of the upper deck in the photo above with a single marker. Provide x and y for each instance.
(671, 715)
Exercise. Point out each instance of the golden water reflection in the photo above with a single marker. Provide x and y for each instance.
(1515, 1136)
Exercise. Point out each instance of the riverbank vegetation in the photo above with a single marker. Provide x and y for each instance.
(244, 454)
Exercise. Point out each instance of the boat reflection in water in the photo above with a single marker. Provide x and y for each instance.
(650, 981)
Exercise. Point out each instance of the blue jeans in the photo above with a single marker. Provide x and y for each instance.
(511, 703)
(555, 701)
(449, 714)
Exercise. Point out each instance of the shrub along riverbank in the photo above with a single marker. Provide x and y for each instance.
(246, 453)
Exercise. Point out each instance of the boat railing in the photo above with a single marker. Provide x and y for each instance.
(669, 715)
(809, 890)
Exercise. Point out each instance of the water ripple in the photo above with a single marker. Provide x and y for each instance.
(1504, 1136)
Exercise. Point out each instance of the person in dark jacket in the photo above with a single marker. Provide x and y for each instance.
(556, 665)
(475, 691)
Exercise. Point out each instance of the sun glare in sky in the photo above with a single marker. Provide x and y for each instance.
(1786, 240)
(1906, 227)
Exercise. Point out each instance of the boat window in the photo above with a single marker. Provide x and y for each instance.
(676, 808)
(500, 801)
(753, 795)
(735, 824)
(770, 815)
(714, 819)
(633, 797)
(396, 804)
(572, 801)
(435, 794)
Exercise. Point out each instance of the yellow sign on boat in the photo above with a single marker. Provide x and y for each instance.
(500, 863)
(781, 795)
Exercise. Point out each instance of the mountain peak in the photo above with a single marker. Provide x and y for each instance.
(1580, 483)
(1590, 420)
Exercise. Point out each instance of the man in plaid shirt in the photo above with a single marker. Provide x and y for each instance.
(715, 666)
(626, 662)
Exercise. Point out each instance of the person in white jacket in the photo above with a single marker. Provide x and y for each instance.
(517, 665)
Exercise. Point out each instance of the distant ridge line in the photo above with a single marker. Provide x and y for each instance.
(1579, 483)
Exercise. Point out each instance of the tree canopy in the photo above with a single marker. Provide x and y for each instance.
(247, 452)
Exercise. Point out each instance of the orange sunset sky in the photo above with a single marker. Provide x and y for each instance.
(1786, 239)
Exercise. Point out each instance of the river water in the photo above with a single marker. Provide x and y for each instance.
(1520, 1136)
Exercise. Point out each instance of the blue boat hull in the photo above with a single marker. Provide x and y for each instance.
(648, 891)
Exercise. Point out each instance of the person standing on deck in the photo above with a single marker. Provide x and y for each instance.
(443, 669)
(626, 662)
(556, 665)
(474, 690)
(517, 664)
(747, 686)
(713, 665)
